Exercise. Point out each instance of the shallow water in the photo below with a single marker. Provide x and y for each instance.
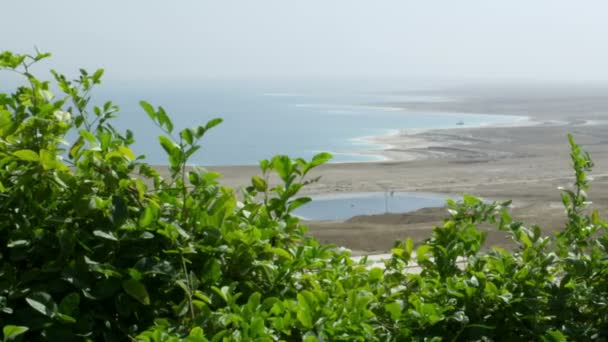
(342, 207)
(262, 120)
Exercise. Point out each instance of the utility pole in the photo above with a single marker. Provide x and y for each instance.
(387, 189)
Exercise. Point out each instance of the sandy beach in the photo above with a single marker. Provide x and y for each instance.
(525, 162)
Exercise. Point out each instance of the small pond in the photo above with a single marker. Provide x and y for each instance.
(345, 206)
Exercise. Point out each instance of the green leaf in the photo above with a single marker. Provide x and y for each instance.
(409, 245)
(120, 211)
(264, 165)
(164, 120)
(212, 271)
(43, 303)
(105, 139)
(320, 159)
(196, 335)
(3, 306)
(422, 253)
(64, 318)
(394, 309)
(375, 274)
(554, 336)
(18, 243)
(282, 253)
(168, 145)
(317, 160)
(259, 184)
(397, 251)
(147, 216)
(523, 237)
(97, 76)
(127, 152)
(310, 338)
(298, 203)
(282, 165)
(304, 313)
(212, 123)
(105, 235)
(200, 131)
(27, 155)
(187, 135)
(76, 147)
(12, 331)
(194, 178)
(470, 200)
(224, 293)
(88, 136)
(149, 109)
(47, 159)
(69, 304)
(6, 122)
(136, 290)
(41, 55)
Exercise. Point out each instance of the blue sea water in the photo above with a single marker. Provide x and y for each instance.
(264, 120)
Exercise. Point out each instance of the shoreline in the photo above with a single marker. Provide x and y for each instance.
(413, 138)
(525, 163)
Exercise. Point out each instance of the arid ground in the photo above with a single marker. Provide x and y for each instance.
(525, 163)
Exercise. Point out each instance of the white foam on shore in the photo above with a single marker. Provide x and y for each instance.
(383, 141)
(594, 123)
(345, 108)
(372, 158)
(372, 140)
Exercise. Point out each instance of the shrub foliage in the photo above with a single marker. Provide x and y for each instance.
(96, 245)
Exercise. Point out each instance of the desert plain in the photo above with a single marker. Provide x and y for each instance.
(524, 162)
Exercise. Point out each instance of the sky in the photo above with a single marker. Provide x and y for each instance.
(538, 40)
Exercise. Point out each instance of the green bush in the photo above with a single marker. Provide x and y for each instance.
(95, 245)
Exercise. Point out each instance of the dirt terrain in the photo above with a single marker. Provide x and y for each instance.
(524, 163)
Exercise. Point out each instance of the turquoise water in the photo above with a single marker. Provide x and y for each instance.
(263, 120)
(341, 207)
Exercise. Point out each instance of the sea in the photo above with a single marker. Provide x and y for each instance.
(266, 119)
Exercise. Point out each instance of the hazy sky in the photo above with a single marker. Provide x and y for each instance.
(464, 39)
